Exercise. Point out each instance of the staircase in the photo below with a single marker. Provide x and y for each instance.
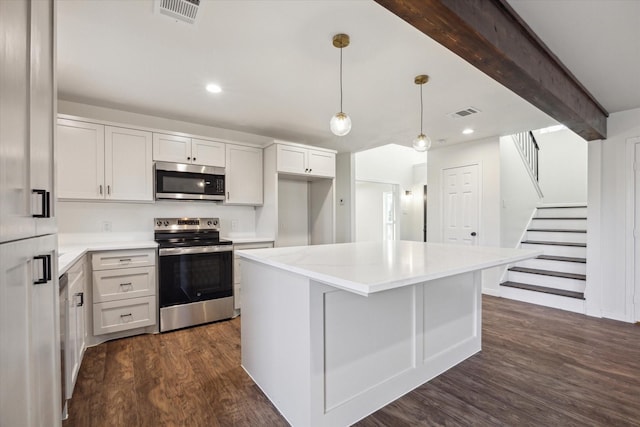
(558, 277)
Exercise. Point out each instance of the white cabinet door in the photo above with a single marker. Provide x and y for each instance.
(75, 337)
(243, 175)
(16, 221)
(321, 163)
(80, 154)
(291, 159)
(42, 124)
(30, 356)
(207, 153)
(171, 148)
(128, 164)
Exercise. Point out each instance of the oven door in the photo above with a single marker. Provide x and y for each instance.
(194, 274)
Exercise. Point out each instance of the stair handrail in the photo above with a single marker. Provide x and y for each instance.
(528, 148)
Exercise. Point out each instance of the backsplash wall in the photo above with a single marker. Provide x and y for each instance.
(113, 217)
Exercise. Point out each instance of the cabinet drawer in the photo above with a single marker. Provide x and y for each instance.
(123, 259)
(115, 316)
(123, 283)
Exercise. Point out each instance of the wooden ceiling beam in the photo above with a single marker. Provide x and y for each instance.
(492, 37)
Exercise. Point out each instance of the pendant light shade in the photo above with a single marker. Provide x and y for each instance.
(422, 142)
(340, 123)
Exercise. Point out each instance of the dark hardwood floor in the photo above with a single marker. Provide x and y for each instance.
(538, 367)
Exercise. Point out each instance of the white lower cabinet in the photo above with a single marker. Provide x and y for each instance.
(124, 290)
(29, 348)
(75, 327)
(116, 316)
(237, 274)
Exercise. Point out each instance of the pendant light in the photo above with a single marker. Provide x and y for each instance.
(422, 141)
(340, 123)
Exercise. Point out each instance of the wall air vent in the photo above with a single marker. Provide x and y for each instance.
(182, 10)
(464, 112)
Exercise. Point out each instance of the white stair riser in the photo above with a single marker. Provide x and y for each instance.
(570, 251)
(562, 224)
(547, 281)
(561, 212)
(548, 300)
(552, 236)
(561, 266)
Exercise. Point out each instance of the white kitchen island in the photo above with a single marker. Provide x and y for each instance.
(331, 333)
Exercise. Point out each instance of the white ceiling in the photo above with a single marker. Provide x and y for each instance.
(279, 70)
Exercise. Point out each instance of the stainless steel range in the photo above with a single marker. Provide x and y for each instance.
(195, 272)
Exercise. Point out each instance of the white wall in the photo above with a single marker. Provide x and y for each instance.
(485, 153)
(393, 164)
(345, 197)
(562, 166)
(519, 196)
(90, 217)
(609, 291)
(369, 224)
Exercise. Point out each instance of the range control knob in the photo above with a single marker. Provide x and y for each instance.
(209, 223)
(158, 223)
(215, 222)
(166, 223)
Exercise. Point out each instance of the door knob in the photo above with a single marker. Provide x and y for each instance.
(474, 234)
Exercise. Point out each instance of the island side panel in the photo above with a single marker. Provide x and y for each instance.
(378, 348)
(451, 321)
(275, 337)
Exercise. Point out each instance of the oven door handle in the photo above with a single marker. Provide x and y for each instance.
(194, 250)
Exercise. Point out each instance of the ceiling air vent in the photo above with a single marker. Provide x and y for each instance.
(182, 10)
(464, 112)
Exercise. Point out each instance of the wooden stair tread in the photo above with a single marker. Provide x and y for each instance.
(544, 289)
(537, 242)
(560, 207)
(562, 274)
(562, 217)
(562, 258)
(556, 230)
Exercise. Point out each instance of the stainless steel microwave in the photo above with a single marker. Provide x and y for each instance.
(189, 182)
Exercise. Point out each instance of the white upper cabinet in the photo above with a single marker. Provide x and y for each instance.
(128, 166)
(103, 162)
(208, 153)
(80, 151)
(27, 103)
(321, 163)
(297, 160)
(243, 179)
(180, 149)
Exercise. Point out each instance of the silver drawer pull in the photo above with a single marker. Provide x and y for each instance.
(126, 284)
(126, 315)
(125, 260)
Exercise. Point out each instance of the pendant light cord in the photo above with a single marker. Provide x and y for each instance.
(340, 79)
(421, 109)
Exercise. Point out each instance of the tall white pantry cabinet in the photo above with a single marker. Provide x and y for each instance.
(29, 324)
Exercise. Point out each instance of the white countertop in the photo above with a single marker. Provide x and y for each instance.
(368, 267)
(68, 254)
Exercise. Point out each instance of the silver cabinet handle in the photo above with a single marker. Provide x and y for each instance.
(126, 315)
(109, 190)
(100, 189)
(125, 260)
(126, 284)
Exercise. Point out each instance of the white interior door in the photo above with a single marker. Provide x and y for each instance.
(461, 207)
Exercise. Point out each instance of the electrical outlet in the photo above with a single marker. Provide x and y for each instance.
(106, 226)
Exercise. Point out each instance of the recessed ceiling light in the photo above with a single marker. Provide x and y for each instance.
(467, 131)
(213, 88)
